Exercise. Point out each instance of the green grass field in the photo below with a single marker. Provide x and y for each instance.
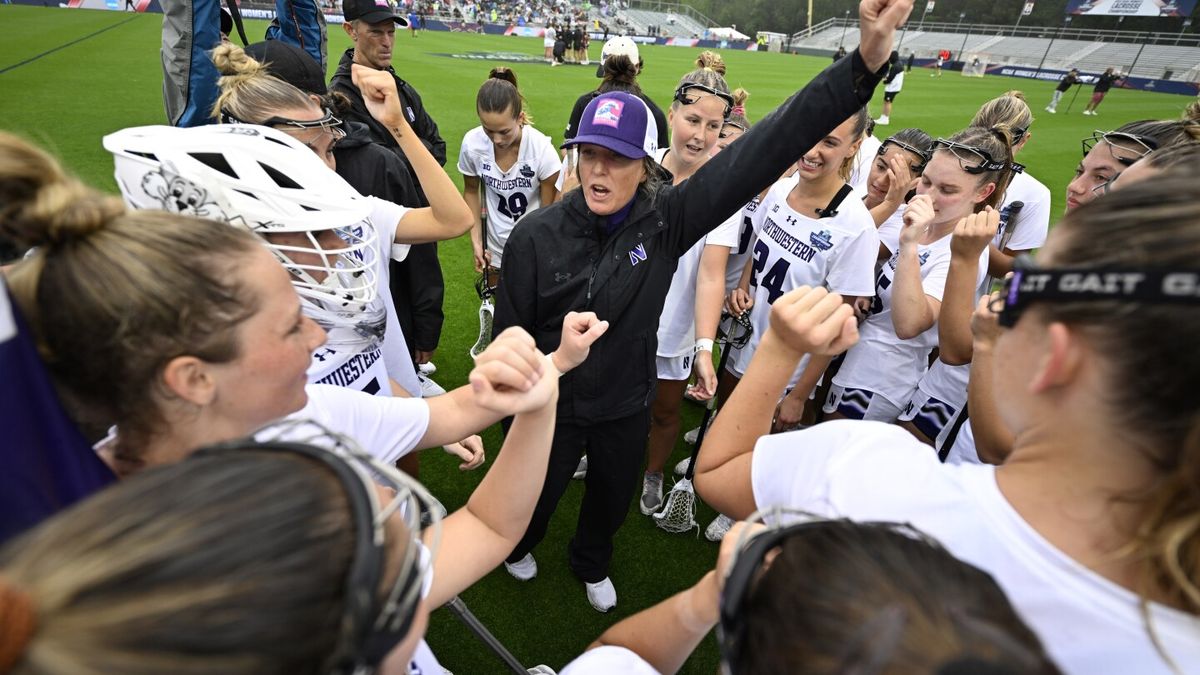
(69, 77)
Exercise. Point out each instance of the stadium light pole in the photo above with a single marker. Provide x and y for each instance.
(961, 56)
(1066, 22)
(845, 24)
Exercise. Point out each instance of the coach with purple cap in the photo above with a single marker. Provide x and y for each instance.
(611, 247)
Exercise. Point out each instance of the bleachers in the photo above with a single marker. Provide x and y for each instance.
(683, 26)
(997, 45)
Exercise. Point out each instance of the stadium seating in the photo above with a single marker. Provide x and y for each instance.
(997, 46)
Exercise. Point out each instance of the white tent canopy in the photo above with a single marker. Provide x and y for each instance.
(727, 34)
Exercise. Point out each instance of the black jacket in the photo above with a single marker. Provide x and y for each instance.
(416, 282)
(1066, 82)
(566, 262)
(424, 126)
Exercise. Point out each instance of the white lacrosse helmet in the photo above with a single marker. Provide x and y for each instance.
(269, 183)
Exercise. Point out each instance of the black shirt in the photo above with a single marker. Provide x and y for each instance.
(1105, 82)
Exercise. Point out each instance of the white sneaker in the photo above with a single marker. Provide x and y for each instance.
(718, 527)
(429, 388)
(581, 470)
(681, 467)
(691, 436)
(1051, 110)
(428, 368)
(602, 595)
(651, 493)
(524, 569)
(882, 121)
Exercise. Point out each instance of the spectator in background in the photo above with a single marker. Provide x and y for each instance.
(548, 43)
(908, 66)
(1103, 84)
(894, 82)
(1063, 86)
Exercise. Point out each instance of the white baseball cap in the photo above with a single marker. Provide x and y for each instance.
(618, 46)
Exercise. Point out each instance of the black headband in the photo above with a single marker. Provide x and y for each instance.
(1028, 285)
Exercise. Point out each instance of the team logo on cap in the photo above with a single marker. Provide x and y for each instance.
(608, 112)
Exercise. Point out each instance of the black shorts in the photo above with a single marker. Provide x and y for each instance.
(890, 96)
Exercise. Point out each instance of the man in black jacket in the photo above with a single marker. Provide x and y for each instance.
(373, 30)
(612, 246)
(416, 282)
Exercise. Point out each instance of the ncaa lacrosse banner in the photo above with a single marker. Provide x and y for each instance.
(1178, 8)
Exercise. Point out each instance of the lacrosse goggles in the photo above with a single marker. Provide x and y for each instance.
(682, 95)
(1029, 284)
(371, 626)
(924, 155)
(328, 124)
(1124, 147)
(971, 159)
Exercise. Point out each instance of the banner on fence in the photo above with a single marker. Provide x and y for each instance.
(1131, 7)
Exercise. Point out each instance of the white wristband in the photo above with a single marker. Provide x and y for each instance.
(704, 345)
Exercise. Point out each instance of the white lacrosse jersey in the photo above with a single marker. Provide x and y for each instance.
(607, 660)
(861, 170)
(881, 362)
(677, 323)
(870, 471)
(1032, 223)
(508, 195)
(364, 356)
(738, 256)
(388, 427)
(1028, 230)
(794, 249)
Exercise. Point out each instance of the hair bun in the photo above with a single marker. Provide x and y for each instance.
(232, 60)
(39, 204)
(711, 61)
(505, 74)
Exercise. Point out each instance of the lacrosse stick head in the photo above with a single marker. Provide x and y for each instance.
(678, 513)
(486, 315)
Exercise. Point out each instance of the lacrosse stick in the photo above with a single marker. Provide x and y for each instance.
(459, 609)
(486, 312)
(678, 513)
(1008, 224)
(485, 286)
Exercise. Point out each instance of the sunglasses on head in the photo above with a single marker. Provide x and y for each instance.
(922, 154)
(685, 98)
(971, 159)
(1125, 148)
(1028, 284)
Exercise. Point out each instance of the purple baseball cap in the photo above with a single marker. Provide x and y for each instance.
(619, 121)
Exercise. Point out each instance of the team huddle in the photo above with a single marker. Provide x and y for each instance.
(930, 449)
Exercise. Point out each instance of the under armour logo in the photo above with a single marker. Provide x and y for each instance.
(560, 277)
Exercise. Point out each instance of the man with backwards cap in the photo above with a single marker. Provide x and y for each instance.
(611, 247)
